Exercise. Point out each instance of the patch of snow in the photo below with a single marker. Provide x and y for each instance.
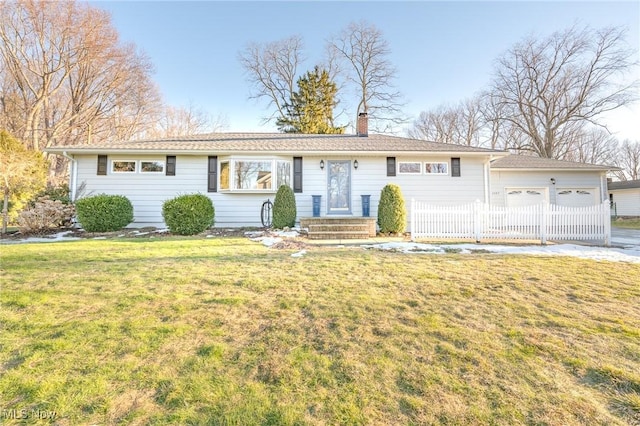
(161, 231)
(267, 241)
(253, 234)
(99, 238)
(299, 254)
(631, 255)
(287, 234)
(60, 236)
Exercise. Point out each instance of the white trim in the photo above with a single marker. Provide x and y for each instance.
(134, 171)
(419, 163)
(446, 164)
(163, 162)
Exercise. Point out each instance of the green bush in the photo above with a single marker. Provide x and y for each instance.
(104, 213)
(392, 215)
(188, 214)
(284, 208)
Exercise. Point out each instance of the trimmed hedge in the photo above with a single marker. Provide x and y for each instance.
(188, 214)
(392, 215)
(104, 213)
(284, 208)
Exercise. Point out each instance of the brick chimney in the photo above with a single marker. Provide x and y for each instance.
(362, 128)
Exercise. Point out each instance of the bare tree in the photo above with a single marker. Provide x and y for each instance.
(548, 89)
(461, 124)
(628, 159)
(364, 52)
(184, 121)
(67, 77)
(272, 69)
(594, 146)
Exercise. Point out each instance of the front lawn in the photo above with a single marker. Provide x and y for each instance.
(626, 223)
(225, 331)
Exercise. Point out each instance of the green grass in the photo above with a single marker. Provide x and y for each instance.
(225, 331)
(626, 223)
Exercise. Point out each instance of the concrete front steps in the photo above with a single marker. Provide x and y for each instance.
(339, 228)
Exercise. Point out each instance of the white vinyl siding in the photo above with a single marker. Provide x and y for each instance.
(148, 191)
(501, 180)
(627, 201)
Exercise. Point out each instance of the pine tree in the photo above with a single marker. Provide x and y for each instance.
(311, 107)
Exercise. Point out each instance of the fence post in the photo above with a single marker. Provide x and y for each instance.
(477, 221)
(413, 217)
(544, 220)
(606, 217)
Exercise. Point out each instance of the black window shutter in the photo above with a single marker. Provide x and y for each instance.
(455, 167)
(102, 165)
(391, 166)
(297, 174)
(212, 184)
(171, 165)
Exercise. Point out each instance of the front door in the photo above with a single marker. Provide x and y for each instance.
(339, 187)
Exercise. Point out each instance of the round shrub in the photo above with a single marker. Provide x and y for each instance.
(104, 213)
(392, 215)
(284, 208)
(188, 214)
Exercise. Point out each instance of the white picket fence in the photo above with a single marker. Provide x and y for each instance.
(481, 221)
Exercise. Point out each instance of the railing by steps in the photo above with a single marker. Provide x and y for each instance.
(482, 221)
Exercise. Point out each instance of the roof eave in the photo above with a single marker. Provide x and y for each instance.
(90, 151)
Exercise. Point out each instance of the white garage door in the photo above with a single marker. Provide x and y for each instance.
(576, 197)
(517, 197)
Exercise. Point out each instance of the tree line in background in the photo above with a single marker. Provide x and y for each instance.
(356, 67)
(548, 98)
(66, 78)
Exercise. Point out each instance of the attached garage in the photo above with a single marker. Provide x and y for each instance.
(577, 197)
(518, 197)
(519, 180)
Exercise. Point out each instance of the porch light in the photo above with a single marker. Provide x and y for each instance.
(355, 164)
(321, 164)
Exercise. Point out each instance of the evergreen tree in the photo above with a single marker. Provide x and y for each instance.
(311, 107)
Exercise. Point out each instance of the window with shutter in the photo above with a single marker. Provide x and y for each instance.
(171, 165)
(455, 167)
(391, 166)
(212, 185)
(102, 165)
(297, 174)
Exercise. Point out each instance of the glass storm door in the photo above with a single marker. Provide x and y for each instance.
(339, 187)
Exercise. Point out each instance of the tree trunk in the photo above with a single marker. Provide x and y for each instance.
(5, 211)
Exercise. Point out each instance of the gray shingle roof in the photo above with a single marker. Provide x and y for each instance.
(276, 143)
(529, 162)
(627, 184)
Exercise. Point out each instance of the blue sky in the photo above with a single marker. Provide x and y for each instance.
(443, 51)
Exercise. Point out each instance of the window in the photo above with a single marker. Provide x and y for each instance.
(152, 167)
(123, 166)
(283, 173)
(410, 168)
(254, 175)
(435, 168)
(224, 175)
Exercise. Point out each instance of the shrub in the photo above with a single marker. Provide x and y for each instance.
(188, 214)
(284, 208)
(392, 215)
(44, 214)
(55, 193)
(104, 213)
